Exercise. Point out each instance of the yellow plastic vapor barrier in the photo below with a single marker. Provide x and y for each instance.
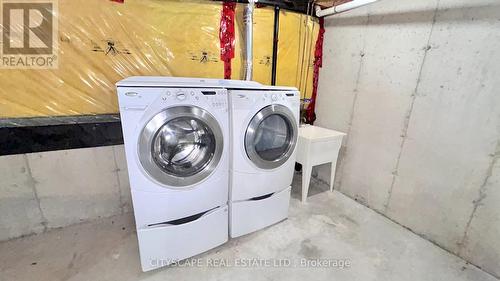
(102, 42)
(298, 34)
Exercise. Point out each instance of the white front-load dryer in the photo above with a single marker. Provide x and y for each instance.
(264, 128)
(176, 134)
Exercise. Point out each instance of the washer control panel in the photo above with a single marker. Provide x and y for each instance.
(216, 98)
(140, 99)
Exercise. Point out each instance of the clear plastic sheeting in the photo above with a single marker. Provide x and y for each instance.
(102, 42)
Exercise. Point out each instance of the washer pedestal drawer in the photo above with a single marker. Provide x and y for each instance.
(251, 215)
(161, 245)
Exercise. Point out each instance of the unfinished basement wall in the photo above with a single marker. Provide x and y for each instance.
(415, 84)
(41, 191)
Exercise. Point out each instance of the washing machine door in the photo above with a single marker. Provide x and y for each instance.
(180, 146)
(271, 136)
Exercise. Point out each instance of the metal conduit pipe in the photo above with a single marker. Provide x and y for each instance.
(248, 54)
(342, 7)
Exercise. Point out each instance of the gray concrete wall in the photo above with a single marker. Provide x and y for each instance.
(39, 191)
(415, 84)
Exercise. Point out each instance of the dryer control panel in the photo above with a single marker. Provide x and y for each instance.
(277, 96)
(243, 99)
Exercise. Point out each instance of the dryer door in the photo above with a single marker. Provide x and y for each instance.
(180, 146)
(271, 136)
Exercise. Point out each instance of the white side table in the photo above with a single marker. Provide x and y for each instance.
(316, 146)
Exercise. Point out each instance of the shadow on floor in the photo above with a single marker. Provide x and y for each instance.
(315, 187)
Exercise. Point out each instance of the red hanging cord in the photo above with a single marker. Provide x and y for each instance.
(318, 62)
(226, 36)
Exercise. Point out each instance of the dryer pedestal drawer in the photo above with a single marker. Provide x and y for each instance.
(251, 215)
(161, 245)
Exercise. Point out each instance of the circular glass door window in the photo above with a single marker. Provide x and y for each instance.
(272, 138)
(183, 146)
(180, 146)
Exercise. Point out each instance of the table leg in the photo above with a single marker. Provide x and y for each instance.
(332, 174)
(306, 178)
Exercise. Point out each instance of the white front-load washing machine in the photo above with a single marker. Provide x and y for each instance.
(264, 128)
(176, 134)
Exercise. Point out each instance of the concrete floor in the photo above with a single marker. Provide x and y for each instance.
(330, 227)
